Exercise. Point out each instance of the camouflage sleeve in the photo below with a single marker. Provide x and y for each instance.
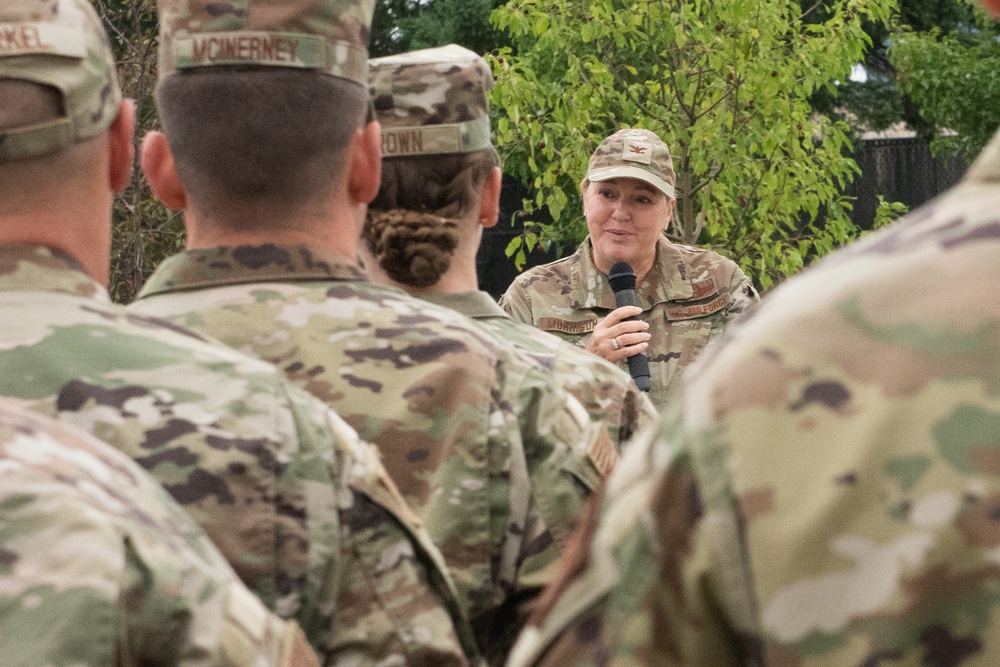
(388, 596)
(98, 566)
(517, 303)
(560, 460)
(641, 589)
(638, 414)
(743, 293)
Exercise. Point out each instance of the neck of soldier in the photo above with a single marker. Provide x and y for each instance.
(330, 226)
(71, 212)
(461, 275)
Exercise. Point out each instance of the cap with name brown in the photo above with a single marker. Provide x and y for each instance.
(330, 36)
(432, 101)
(58, 43)
(634, 153)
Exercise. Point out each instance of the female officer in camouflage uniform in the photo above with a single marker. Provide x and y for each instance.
(684, 295)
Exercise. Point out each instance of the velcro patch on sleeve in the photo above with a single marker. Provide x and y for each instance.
(602, 454)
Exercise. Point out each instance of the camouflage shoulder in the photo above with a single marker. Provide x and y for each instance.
(99, 564)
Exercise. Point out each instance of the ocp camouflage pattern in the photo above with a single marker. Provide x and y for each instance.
(87, 81)
(301, 508)
(430, 87)
(688, 298)
(479, 440)
(100, 567)
(828, 491)
(609, 395)
(609, 154)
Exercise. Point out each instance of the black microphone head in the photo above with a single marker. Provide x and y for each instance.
(621, 276)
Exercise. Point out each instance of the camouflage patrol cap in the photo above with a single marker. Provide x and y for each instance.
(58, 43)
(634, 153)
(432, 101)
(330, 36)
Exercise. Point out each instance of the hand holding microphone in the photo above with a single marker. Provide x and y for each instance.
(621, 335)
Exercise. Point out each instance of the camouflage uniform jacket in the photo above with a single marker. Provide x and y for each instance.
(687, 298)
(300, 507)
(830, 491)
(100, 567)
(477, 439)
(609, 394)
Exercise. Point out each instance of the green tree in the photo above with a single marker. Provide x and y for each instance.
(877, 103)
(954, 80)
(725, 84)
(404, 25)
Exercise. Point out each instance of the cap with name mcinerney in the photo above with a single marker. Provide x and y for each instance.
(330, 36)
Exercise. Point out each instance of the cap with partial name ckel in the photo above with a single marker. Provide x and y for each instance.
(330, 36)
(60, 44)
(432, 101)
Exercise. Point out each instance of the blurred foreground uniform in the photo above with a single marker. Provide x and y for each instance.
(301, 508)
(827, 491)
(101, 568)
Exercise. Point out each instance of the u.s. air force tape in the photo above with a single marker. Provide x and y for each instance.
(467, 137)
(271, 49)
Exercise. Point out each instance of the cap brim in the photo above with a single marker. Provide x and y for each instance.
(598, 175)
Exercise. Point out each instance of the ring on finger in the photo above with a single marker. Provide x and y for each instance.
(614, 343)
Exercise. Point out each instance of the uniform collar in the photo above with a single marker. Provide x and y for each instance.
(477, 305)
(667, 280)
(25, 267)
(220, 266)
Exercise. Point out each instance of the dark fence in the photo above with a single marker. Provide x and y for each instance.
(900, 170)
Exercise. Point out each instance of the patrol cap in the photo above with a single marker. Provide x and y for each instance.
(58, 43)
(432, 101)
(330, 36)
(634, 153)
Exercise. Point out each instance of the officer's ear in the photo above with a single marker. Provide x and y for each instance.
(364, 163)
(121, 150)
(161, 173)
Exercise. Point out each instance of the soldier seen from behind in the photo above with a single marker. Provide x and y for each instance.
(827, 489)
(269, 153)
(301, 508)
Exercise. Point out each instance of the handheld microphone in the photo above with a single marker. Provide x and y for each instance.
(622, 279)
